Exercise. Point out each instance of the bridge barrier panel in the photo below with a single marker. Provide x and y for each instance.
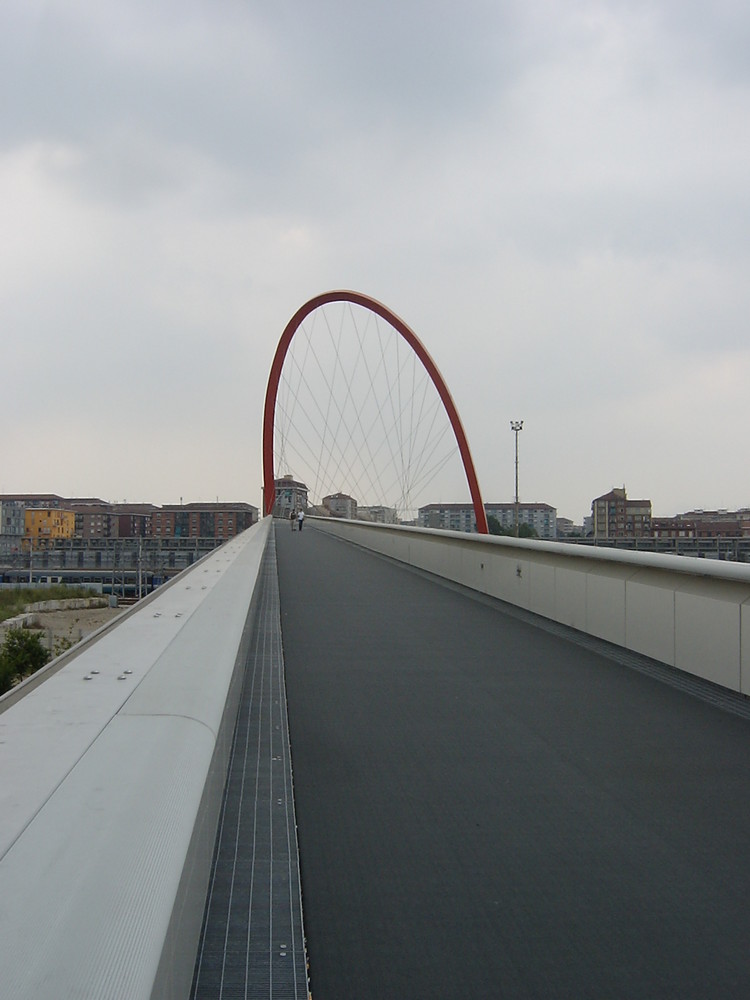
(708, 629)
(111, 782)
(604, 605)
(690, 613)
(649, 615)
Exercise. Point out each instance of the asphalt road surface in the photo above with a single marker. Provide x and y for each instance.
(487, 810)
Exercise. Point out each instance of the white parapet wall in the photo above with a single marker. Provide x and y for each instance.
(112, 771)
(693, 614)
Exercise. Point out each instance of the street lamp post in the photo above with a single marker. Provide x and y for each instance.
(516, 426)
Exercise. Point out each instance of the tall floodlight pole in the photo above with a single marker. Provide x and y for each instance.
(516, 426)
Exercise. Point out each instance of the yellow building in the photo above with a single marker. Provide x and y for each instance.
(44, 523)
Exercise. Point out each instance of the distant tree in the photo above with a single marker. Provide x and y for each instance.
(6, 677)
(21, 654)
(524, 530)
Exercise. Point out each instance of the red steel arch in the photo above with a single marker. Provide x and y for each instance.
(269, 410)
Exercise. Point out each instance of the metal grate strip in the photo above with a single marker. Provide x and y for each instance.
(252, 943)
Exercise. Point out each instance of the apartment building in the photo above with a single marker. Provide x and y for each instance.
(542, 517)
(94, 520)
(12, 526)
(46, 524)
(615, 515)
(377, 514)
(291, 495)
(133, 519)
(202, 520)
(703, 524)
(49, 516)
(341, 505)
(12, 518)
(50, 500)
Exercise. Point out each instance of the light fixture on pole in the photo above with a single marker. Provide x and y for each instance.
(516, 426)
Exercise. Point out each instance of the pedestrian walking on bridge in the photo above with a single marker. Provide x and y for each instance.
(300, 519)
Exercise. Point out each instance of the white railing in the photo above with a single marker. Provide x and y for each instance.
(690, 613)
(111, 777)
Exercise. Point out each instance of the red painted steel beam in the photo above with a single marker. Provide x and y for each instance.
(269, 409)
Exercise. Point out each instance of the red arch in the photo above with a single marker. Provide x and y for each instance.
(269, 487)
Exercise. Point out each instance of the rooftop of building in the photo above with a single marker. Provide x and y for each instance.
(489, 505)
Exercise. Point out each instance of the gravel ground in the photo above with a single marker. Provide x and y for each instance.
(70, 625)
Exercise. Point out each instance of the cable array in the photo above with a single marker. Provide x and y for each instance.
(357, 413)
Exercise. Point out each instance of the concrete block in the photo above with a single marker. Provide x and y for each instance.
(707, 637)
(649, 617)
(605, 605)
(570, 597)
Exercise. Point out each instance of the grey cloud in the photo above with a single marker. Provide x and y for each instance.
(710, 38)
(553, 195)
(265, 94)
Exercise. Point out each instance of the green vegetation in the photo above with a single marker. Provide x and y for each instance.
(62, 645)
(14, 600)
(524, 530)
(22, 651)
(21, 654)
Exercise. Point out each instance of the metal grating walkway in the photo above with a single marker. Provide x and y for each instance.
(252, 943)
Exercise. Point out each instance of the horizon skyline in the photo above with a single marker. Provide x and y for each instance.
(462, 503)
(553, 197)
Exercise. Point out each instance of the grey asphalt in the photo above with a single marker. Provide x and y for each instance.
(486, 809)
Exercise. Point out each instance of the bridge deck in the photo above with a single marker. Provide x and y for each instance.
(487, 809)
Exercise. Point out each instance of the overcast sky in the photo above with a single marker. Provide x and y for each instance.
(554, 196)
